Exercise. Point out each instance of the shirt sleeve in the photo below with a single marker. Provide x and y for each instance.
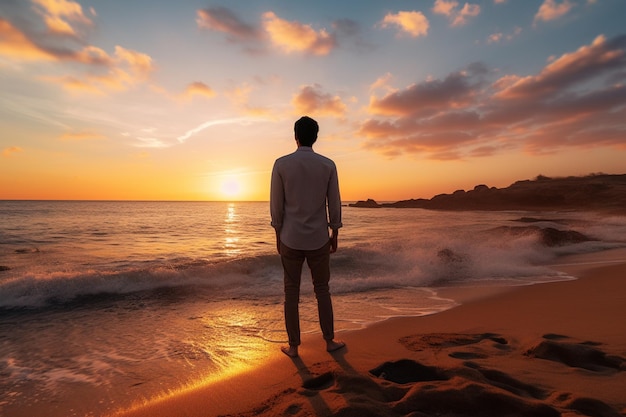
(277, 199)
(334, 201)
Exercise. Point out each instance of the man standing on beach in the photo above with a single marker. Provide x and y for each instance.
(304, 204)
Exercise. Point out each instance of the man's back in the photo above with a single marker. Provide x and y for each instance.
(302, 184)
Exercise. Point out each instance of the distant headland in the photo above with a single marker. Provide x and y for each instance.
(594, 192)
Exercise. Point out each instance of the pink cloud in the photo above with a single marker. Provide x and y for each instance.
(450, 9)
(455, 91)
(578, 99)
(588, 61)
(10, 151)
(312, 100)
(224, 20)
(551, 10)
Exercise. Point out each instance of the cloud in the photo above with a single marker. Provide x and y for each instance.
(81, 136)
(64, 41)
(382, 83)
(297, 37)
(456, 90)
(224, 20)
(499, 36)
(413, 23)
(551, 10)
(445, 7)
(108, 73)
(312, 100)
(593, 60)
(274, 33)
(140, 64)
(210, 123)
(61, 16)
(576, 100)
(200, 89)
(450, 9)
(15, 44)
(11, 150)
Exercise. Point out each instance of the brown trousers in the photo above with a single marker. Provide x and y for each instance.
(319, 263)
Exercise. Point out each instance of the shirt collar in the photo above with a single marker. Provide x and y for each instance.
(304, 149)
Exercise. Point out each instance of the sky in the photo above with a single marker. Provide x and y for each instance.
(195, 99)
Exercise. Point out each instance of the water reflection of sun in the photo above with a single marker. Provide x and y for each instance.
(231, 231)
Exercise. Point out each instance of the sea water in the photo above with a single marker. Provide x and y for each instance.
(104, 304)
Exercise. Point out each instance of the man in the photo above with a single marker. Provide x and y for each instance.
(304, 204)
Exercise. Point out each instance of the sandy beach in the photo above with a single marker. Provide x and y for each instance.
(555, 349)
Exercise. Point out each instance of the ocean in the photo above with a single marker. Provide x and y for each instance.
(107, 304)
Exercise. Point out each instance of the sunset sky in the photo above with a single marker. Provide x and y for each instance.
(194, 100)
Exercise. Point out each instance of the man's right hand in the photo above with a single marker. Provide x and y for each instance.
(333, 241)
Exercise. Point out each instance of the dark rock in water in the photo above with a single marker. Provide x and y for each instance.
(555, 237)
(29, 250)
(448, 255)
(365, 204)
(537, 220)
(548, 236)
(4, 268)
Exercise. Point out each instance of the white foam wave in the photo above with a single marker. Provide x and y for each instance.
(421, 259)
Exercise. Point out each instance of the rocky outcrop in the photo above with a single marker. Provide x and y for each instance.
(598, 192)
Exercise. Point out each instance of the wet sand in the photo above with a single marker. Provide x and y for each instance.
(556, 349)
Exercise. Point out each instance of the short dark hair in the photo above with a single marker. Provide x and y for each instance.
(306, 130)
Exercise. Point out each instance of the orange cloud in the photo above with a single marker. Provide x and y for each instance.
(551, 10)
(198, 88)
(297, 37)
(58, 14)
(140, 64)
(445, 7)
(101, 71)
(449, 8)
(412, 23)
(117, 73)
(7, 152)
(311, 100)
(81, 136)
(14, 44)
(275, 34)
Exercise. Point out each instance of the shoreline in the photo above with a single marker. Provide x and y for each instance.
(578, 317)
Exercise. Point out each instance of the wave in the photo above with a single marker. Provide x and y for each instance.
(512, 255)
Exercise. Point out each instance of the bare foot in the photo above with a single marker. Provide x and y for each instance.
(332, 346)
(291, 351)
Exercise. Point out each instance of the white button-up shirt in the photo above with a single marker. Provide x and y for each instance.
(304, 199)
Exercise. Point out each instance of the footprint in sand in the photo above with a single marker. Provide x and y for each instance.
(585, 355)
(319, 382)
(440, 341)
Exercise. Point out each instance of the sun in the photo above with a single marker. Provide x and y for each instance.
(230, 188)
